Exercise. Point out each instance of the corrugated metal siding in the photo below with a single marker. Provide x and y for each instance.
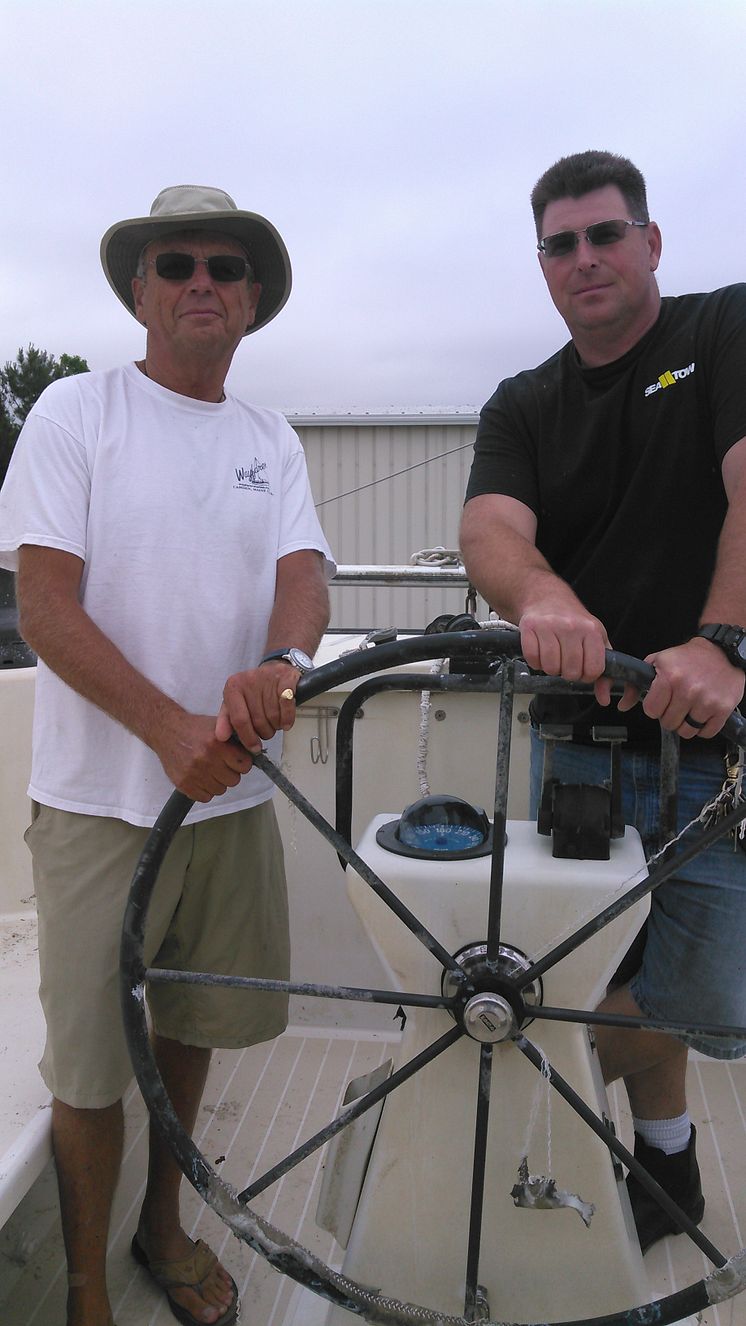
(415, 505)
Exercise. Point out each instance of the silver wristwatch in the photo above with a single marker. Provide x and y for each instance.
(297, 658)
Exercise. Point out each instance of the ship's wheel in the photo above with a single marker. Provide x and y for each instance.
(490, 997)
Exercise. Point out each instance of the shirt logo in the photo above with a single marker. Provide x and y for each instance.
(669, 379)
(253, 478)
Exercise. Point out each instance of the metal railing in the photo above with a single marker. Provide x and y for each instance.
(375, 576)
(14, 653)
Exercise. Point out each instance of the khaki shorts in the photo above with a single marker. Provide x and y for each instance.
(219, 905)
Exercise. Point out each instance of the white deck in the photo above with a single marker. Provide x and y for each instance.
(247, 1091)
(287, 1083)
(25, 1145)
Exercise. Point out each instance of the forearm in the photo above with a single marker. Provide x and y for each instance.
(300, 614)
(73, 646)
(514, 579)
(260, 702)
(558, 634)
(696, 686)
(56, 625)
(726, 599)
(506, 567)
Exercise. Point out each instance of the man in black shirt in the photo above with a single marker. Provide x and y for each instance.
(607, 509)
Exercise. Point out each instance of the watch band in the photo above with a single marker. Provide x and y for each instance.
(731, 639)
(275, 653)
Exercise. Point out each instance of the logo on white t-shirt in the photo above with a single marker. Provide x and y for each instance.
(253, 477)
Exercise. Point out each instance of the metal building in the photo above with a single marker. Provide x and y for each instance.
(387, 487)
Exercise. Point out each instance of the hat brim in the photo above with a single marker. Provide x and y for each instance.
(123, 243)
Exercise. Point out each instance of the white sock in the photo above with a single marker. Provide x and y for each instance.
(669, 1135)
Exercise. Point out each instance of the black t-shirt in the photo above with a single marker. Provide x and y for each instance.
(621, 466)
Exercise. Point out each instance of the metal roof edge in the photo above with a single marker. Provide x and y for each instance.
(394, 418)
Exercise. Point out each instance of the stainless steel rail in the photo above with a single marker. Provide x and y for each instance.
(400, 575)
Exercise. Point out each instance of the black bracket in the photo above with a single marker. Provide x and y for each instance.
(470, 665)
(581, 818)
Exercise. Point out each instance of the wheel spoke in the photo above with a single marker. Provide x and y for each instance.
(477, 1181)
(165, 975)
(497, 868)
(351, 1113)
(601, 1130)
(664, 871)
(344, 849)
(600, 1019)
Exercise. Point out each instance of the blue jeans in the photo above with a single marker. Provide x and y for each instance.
(694, 963)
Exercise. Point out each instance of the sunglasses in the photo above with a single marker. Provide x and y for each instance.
(600, 233)
(180, 266)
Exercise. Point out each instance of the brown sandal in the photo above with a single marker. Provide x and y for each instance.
(190, 1273)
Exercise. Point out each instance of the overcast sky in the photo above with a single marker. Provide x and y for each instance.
(393, 143)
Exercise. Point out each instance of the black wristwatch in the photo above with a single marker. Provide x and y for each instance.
(295, 657)
(731, 639)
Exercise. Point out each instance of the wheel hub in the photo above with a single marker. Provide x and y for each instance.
(490, 1006)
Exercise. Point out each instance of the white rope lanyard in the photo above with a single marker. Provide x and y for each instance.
(436, 669)
(424, 731)
(542, 1098)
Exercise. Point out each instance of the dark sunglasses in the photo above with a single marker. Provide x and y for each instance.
(600, 233)
(180, 266)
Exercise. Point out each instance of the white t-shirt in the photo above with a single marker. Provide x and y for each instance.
(180, 510)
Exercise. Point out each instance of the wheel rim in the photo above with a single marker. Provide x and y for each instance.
(509, 1000)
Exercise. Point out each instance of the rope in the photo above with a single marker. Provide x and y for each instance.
(424, 733)
(495, 622)
(543, 1091)
(437, 667)
(729, 796)
(466, 446)
(438, 556)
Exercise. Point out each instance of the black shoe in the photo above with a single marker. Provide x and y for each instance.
(678, 1176)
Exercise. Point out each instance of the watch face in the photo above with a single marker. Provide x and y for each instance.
(300, 660)
(731, 639)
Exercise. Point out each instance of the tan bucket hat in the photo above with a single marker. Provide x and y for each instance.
(198, 207)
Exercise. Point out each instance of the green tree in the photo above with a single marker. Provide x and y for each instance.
(21, 383)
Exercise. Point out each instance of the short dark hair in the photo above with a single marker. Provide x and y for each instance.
(574, 176)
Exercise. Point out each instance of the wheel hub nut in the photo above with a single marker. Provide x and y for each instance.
(489, 1018)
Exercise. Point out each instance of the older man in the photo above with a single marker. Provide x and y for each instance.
(172, 579)
(607, 505)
